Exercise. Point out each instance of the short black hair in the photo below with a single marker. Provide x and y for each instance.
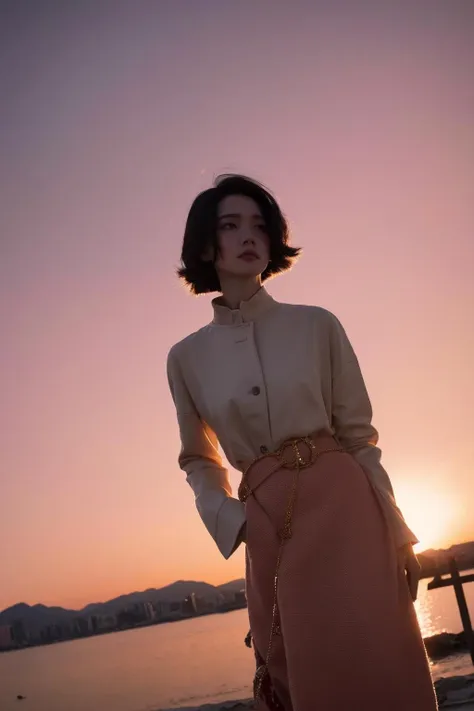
(201, 232)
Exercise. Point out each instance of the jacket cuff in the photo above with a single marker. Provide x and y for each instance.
(223, 517)
(230, 521)
(402, 535)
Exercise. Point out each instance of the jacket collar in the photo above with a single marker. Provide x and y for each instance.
(249, 310)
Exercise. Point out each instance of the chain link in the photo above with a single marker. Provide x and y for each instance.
(285, 533)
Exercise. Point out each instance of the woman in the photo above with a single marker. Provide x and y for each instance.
(330, 568)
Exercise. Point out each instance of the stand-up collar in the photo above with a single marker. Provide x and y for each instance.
(249, 310)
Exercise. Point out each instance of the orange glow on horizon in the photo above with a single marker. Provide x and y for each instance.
(430, 513)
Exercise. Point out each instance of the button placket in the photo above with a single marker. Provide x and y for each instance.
(254, 404)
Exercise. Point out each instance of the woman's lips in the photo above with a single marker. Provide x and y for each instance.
(248, 256)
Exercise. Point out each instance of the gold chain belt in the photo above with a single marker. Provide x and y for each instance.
(299, 458)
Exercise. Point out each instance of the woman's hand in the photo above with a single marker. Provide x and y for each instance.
(409, 564)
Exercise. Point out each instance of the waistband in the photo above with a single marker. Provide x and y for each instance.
(294, 453)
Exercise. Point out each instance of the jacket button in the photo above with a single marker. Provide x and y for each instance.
(255, 390)
(263, 449)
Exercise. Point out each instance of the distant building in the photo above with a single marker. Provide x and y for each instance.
(162, 610)
(149, 611)
(81, 626)
(144, 611)
(241, 598)
(107, 622)
(222, 598)
(159, 608)
(95, 623)
(168, 611)
(139, 613)
(19, 633)
(205, 606)
(6, 638)
(188, 606)
(33, 632)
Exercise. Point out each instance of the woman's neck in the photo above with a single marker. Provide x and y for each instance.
(235, 290)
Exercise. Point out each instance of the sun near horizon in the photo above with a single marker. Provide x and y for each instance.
(430, 512)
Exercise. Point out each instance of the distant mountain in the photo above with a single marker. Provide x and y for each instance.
(171, 593)
(232, 587)
(41, 615)
(35, 614)
(435, 562)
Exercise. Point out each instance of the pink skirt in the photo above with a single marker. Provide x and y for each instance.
(347, 637)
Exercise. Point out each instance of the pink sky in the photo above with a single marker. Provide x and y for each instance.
(359, 116)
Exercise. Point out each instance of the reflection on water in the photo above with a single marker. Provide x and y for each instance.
(437, 610)
(179, 664)
(429, 617)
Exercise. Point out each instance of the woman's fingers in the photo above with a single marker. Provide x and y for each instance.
(412, 568)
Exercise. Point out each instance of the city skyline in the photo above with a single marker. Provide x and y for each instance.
(117, 116)
(25, 626)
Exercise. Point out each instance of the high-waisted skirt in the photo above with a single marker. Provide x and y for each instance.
(332, 621)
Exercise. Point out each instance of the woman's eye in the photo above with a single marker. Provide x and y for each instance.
(228, 225)
(262, 228)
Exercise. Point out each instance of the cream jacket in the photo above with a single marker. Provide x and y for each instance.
(256, 376)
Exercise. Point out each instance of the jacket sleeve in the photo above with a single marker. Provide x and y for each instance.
(352, 424)
(199, 458)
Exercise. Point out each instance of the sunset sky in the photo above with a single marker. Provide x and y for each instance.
(359, 116)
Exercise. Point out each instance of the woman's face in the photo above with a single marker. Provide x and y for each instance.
(244, 245)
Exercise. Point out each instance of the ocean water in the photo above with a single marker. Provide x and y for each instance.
(166, 666)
